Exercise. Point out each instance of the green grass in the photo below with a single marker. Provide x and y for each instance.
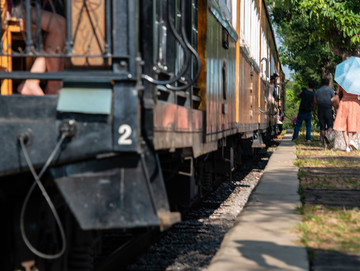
(326, 163)
(332, 229)
(329, 182)
(327, 228)
(316, 148)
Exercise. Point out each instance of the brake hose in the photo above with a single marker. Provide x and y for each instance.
(181, 42)
(192, 50)
(22, 139)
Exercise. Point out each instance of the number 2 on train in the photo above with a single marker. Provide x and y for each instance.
(125, 132)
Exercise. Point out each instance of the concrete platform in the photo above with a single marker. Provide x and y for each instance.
(263, 237)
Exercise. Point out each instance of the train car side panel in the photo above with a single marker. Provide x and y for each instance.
(221, 70)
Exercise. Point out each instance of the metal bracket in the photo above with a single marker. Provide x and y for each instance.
(191, 167)
(258, 141)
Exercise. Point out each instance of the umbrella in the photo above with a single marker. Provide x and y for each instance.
(347, 75)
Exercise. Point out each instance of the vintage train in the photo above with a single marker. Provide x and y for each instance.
(156, 100)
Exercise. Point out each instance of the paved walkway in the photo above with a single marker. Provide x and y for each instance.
(264, 237)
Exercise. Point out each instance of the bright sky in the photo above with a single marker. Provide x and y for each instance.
(286, 69)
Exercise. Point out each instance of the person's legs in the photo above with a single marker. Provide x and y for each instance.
(32, 86)
(329, 123)
(322, 136)
(308, 117)
(299, 120)
(322, 124)
(55, 26)
(352, 142)
(326, 123)
(346, 138)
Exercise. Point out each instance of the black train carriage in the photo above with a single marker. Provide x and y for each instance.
(160, 100)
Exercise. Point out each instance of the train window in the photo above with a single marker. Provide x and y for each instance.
(242, 21)
(225, 38)
(229, 7)
(225, 6)
(160, 29)
(272, 64)
(224, 81)
(249, 28)
(234, 12)
(264, 55)
(224, 10)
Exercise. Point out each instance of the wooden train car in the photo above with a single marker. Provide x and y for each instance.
(148, 104)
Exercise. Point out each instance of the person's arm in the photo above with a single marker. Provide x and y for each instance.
(299, 94)
(283, 83)
(340, 93)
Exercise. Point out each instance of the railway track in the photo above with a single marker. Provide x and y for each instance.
(191, 244)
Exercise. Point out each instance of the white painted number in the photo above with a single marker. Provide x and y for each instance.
(125, 132)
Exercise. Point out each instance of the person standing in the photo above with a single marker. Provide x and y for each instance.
(305, 111)
(347, 118)
(274, 91)
(271, 90)
(322, 99)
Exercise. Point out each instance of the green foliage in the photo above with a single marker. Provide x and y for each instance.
(334, 16)
(292, 103)
(305, 43)
(316, 35)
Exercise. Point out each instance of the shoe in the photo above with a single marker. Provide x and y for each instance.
(348, 149)
(308, 141)
(353, 145)
(331, 136)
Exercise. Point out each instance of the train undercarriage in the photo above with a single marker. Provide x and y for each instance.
(163, 184)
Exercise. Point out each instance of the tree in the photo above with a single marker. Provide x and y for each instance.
(292, 103)
(338, 23)
(316, 34)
